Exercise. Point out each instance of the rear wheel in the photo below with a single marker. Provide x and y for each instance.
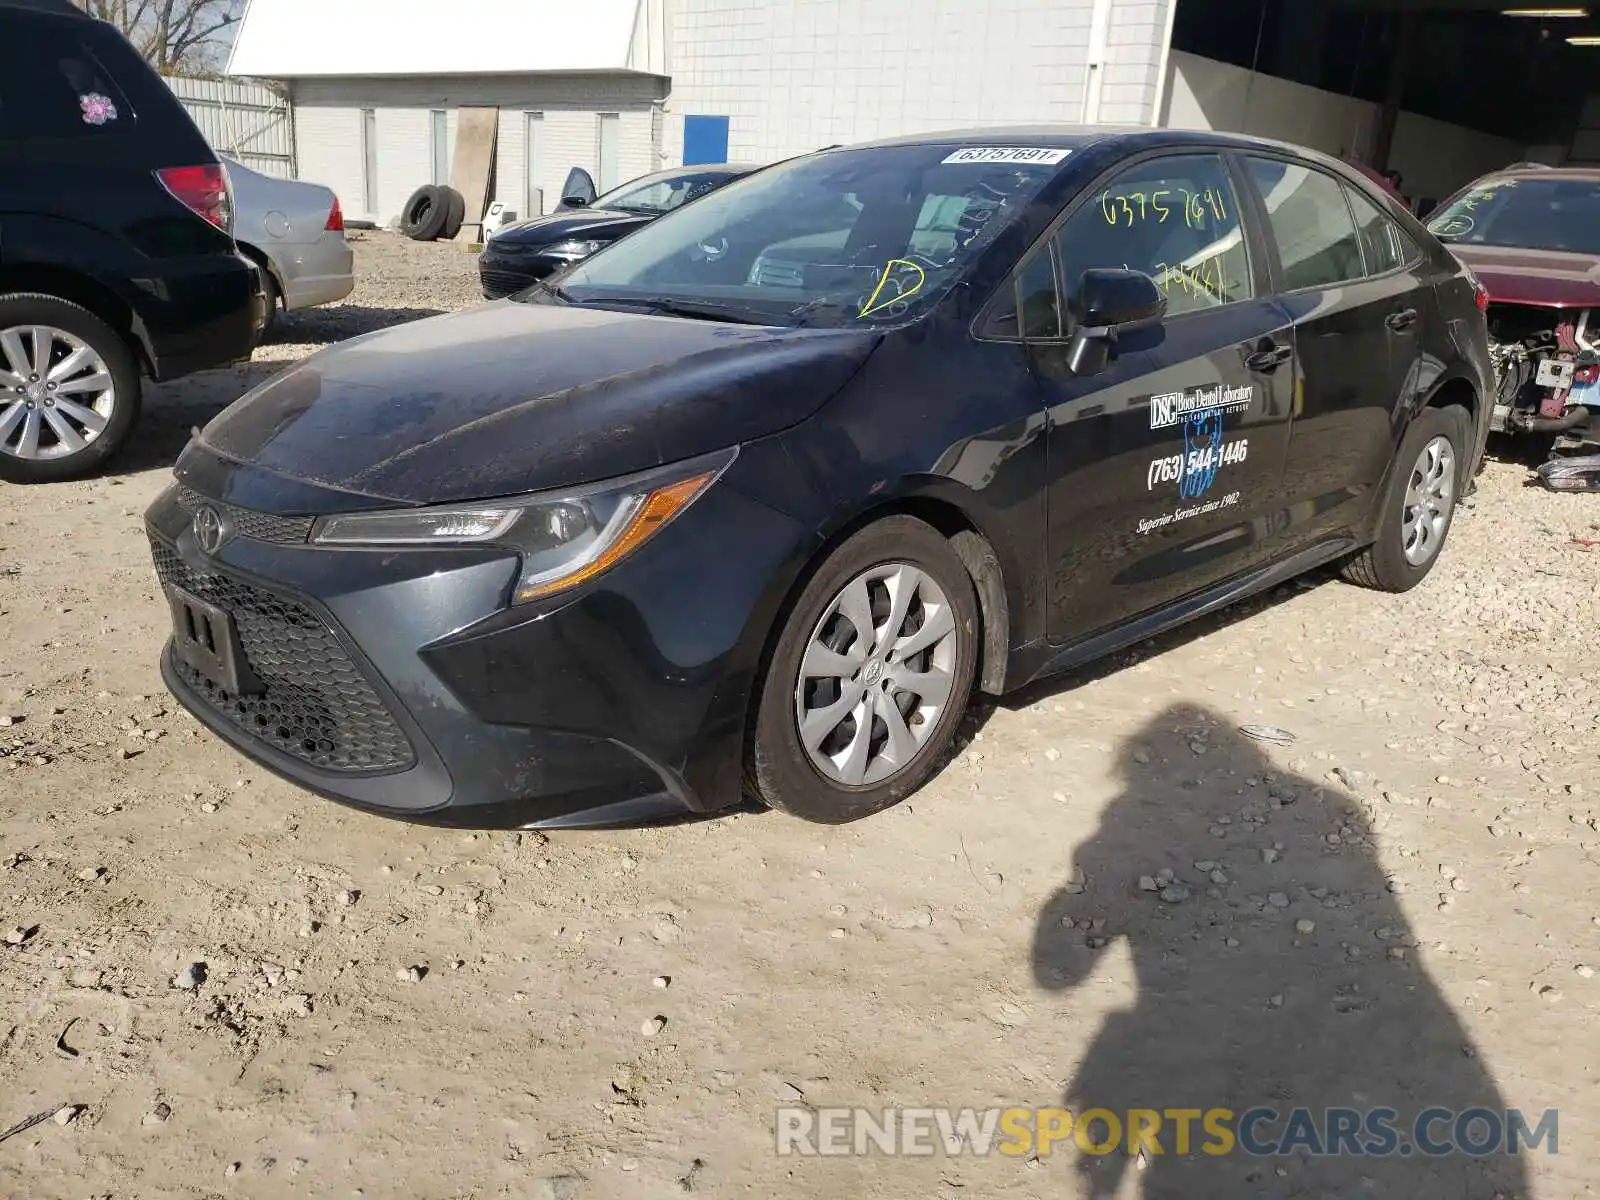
(69, 389)
(1420, 504)
(869, 677)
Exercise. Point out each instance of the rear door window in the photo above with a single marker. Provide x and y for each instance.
(53, 86)
(1311, 224)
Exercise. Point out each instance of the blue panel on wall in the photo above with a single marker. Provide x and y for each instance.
(705, 140)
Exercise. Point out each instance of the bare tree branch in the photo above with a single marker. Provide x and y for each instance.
(176, 36)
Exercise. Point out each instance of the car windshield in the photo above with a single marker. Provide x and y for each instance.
(652, 197)
(832, 239)
(1529, 214)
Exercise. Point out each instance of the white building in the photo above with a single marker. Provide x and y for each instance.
(622, 87)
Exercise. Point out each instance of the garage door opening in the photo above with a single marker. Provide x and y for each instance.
(1440, 91)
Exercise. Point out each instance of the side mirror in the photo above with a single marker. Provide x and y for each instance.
(578, 191)
(1109, 303)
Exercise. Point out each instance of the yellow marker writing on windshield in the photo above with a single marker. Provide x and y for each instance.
(903, 290)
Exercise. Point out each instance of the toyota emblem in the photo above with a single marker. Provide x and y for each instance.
(210, 530)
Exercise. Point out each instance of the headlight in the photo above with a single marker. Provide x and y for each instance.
(564, 538)
(574, 248)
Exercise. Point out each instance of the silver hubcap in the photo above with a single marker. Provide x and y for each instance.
(876, 676)
(56, 394)
(1430, 496)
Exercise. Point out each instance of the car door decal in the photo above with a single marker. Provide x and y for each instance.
(1192, 472)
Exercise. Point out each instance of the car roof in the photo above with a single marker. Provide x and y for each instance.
(1081, 137)
(57, 8)
(696, 169)
(1539, 171)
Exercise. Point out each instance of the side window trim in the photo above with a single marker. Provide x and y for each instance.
(1258, 244)
(1013, 284)
(1367, 271)
(1063, 317)
(1407, 250)
(1242, 188)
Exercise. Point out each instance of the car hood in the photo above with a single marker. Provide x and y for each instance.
(1544, 277)
(516, 397)
(577, 223)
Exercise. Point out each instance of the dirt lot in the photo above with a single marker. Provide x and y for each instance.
(1401, 908)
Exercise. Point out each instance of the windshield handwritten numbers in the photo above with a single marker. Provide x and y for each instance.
(1134, 208)
(900, 281)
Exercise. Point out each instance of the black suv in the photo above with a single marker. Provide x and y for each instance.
(117, 256)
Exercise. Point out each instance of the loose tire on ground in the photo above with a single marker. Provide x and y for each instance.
(1384, 565)
(424, 214)
(455, 213)
(818, 632)
(20, 314)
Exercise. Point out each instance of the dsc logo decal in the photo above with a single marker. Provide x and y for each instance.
(1204, 454)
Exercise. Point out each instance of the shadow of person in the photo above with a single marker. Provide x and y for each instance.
(1275, 970)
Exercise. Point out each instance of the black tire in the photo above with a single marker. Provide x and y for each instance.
(1383, 565)
(424, 214)
(34, 309)
(777, 767)
(455, 213)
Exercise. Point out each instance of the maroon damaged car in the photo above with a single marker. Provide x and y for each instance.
(1531, 234)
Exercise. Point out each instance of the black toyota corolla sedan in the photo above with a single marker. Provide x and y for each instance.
(754, 500)
(522, 254)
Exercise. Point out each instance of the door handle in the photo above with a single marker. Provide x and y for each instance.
(1270, 358)
(1402, 320)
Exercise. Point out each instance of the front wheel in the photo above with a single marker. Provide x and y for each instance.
(869, 677)
(1419, 505)
(69, 389)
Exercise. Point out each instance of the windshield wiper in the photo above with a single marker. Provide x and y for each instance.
(824, 306)
(695, 309)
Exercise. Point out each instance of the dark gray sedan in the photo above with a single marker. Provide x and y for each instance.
(522, 254)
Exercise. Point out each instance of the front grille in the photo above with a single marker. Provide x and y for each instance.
(316, 704)
(503, 283)
(263, 527)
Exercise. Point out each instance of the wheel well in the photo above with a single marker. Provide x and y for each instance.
(970, 546)
(261, 260)
(988, 581)
(1456, 392)
(81, 290)
(975, 552)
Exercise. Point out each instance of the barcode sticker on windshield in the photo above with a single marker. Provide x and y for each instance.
(1044, 155)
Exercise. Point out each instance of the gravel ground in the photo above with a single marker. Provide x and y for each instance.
(219, 985)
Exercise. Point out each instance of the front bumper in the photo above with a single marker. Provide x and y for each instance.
(402, 684)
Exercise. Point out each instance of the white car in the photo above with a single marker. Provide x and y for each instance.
(294, 231)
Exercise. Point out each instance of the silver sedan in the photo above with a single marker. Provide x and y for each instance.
(295, 233)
